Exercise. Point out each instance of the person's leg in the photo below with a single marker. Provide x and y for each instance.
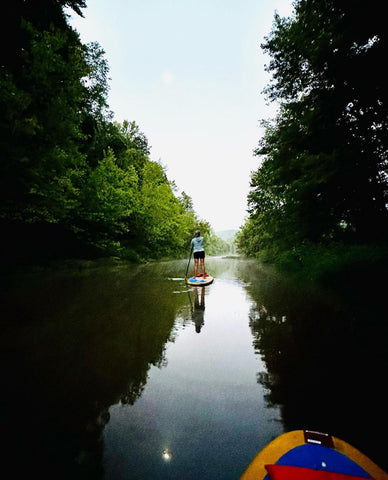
(203, 266)
(195, 266)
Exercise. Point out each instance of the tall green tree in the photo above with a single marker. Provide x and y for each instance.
(323, 174)
(108, 200)
(164, 223)
(40, 105)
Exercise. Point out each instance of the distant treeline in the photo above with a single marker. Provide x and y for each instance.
(321, 185)
(73, 182)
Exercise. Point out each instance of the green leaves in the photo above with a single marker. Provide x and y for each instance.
(110, 196)
(64, 161)
(321, 175)
(166, 224)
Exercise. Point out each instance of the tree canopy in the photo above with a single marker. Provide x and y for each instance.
(322, 177)
(70, 176)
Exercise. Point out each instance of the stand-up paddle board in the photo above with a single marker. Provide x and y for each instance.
(199, 281)
(307, 455)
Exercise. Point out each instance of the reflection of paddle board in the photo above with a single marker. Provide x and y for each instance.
(305, 455)
(200, 281)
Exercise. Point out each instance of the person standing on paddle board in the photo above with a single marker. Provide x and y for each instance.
(199, 254)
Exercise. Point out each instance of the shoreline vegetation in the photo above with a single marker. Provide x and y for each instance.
(74, 183)
(318, 200)
(339, 266)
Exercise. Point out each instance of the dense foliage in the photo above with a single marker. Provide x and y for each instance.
(72, 181)
(322, 178)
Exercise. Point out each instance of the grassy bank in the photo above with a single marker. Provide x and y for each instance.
(339, 266)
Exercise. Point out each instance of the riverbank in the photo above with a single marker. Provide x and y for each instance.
(327, 264)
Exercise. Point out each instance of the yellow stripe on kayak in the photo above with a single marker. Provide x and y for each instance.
(271, 454)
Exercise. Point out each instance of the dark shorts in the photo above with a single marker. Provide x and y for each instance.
(199, 254)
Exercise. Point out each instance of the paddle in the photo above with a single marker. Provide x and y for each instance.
(187, 269)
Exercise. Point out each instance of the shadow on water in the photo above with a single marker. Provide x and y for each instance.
(326, 355)
(74, 343)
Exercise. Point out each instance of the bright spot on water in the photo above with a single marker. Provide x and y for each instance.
(166, 454)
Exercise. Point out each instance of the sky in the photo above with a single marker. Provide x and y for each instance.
(190, 73)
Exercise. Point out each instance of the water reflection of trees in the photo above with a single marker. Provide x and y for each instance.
(325, 358)
(73, 345)
(271, 339)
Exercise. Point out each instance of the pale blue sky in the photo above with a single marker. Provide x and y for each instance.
(190, 73)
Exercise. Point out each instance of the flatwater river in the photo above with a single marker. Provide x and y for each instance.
(123, 372)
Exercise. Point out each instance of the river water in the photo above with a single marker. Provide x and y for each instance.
(120, 372)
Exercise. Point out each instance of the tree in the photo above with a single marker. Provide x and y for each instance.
(39, 126)
(108, 200)
(165, 225)
(42, 15)
(323, 177)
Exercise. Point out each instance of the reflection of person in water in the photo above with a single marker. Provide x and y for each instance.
(199, 308)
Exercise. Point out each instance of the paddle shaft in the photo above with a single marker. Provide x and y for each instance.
(187, 269)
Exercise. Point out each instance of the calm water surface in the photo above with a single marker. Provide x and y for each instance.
(122, 372)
